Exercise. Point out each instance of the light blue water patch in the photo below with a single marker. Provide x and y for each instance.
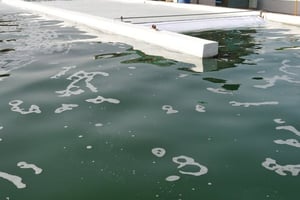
(85, 119)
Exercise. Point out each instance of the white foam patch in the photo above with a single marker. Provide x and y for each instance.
(65, 107)
(184, 161)
(248, 104)
(200, 108)
(1, 127)
(101, 99)
(15, 107)
(35, 168)
(289, 128)
(172, 178)
(285, 66)
(219, 91)
(63, 72)
(98, 125)
(16, 180)
(282, 170)
(279, 121)
(74, 89)
(272, 81)
(169, 109)
(89, 147)
(290, 142)
(158, 152)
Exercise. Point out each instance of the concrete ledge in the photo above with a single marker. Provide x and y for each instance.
(282, 18)
(171, 41)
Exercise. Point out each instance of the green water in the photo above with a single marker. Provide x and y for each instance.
(140, 127)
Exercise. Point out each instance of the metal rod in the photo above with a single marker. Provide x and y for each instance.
(182, 15)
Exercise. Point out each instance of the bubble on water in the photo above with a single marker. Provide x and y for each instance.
(209, 183)
(16, 180)
(65, 107)
(98, 125)
(25, 165)
(1, 127)
(282, 170)
(172, 178)
(63, 72)
(15, 108)
(74, 89)
(101, 99)
(158, 152)
(169, 109)
(80, 136)
(219, 90)
(89, 147)
(248, 104)
(1, 139)
(131, 67)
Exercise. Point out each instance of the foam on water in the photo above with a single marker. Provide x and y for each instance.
(63, 72)
(169, 109)
(272, 81)
(248, 104)
(101, 99)
(74, 89)
(290, 142)
(289, 128)
(279, 121)
(184, 161)
(16, 180)
(172, 178)
(219, 90)
(15, 107)
(25, 165)
(282, 170)
(158, 152)
(65, 107)
(200, 108)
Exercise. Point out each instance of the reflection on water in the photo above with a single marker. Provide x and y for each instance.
(84, 117)
(137, 57)
(233, 45)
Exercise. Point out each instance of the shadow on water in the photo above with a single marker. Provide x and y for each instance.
(137, 56)
(233, 46)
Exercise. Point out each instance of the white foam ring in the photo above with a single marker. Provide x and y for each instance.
(74, 89)
(290, 142)
(282, 170)
(184, 161)
(63, 72)
(272, 81)
(25, 165)
(248, 104)
(65, 107)
(16, 180)
(158, 152)
(15, 107)
(101, 99)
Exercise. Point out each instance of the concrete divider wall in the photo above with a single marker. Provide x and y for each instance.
(172, 41)
(279, 6)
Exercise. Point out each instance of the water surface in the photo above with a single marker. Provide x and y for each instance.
(83, 119)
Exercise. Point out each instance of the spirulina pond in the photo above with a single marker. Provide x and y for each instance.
(85, 119)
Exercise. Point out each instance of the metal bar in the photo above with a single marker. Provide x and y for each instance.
(182, 15)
